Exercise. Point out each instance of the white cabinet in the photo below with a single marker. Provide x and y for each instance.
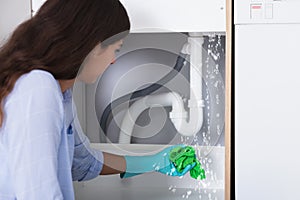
(172, 15)
(267, 112)
(176, 15)
(267, 99)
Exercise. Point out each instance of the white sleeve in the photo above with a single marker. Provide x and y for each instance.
(38, 122)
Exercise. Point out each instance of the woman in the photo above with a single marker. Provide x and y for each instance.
(42, 148)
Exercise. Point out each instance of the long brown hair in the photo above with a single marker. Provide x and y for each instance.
(58, 38)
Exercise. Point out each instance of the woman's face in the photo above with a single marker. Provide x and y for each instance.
(97, 61)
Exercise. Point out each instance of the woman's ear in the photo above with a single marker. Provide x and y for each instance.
(97, 50)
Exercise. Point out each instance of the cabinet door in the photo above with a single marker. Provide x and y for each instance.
(172, 15)
(267, 127)
(176, 15)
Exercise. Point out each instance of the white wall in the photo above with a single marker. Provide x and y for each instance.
(12, 13)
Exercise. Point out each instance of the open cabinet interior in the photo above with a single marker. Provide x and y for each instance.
(145, 59)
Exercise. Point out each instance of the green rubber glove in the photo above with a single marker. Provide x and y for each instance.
(159, 162)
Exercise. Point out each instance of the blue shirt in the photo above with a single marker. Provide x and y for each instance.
(42, 147)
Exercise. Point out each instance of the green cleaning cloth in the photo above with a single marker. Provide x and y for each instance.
(184, 156)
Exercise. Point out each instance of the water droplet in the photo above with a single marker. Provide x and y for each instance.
(216, 84)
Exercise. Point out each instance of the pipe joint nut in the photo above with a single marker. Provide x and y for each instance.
(196, 103)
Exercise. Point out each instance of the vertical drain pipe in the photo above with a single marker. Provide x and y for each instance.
(193, 124)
